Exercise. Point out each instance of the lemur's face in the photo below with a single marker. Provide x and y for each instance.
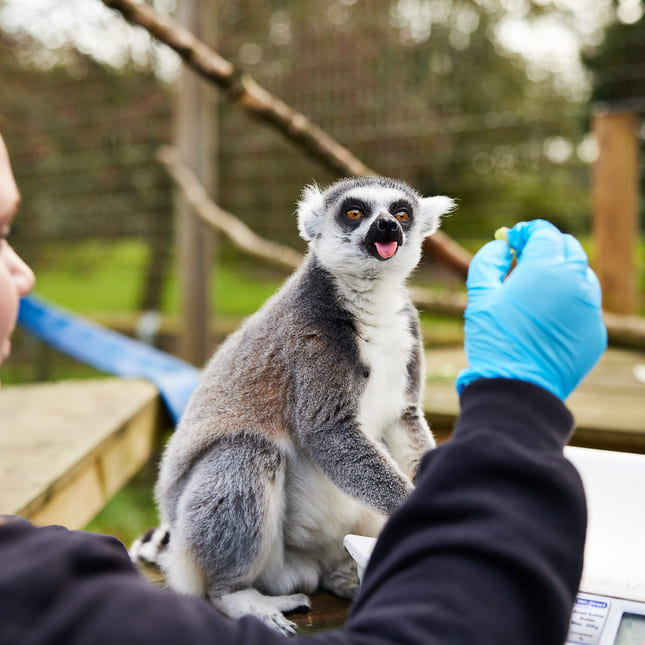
(361, 225)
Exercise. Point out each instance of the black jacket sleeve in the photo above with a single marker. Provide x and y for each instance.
(487, 550)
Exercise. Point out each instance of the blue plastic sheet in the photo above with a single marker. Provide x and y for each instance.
(109, 351)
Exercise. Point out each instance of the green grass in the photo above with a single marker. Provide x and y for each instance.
(236, 290)
(93, 276)
(96, 278)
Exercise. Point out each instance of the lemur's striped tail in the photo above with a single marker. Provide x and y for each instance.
(148, 552)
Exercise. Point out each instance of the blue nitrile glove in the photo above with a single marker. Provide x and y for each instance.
(543, 324)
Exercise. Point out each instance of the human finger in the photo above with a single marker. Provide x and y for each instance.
(573, 250)
(593, 285)
(536, 240)
(489, 266)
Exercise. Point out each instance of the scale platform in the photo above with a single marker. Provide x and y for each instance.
(610, 606)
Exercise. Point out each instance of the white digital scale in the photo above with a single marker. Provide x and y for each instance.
(610, 606)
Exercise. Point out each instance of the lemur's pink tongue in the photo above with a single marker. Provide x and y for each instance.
(386, 249)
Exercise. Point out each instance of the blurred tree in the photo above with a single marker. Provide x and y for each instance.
(419, 89)
(617, 65)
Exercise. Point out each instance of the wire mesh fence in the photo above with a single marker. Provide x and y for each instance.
(423, 91)
(445, 112)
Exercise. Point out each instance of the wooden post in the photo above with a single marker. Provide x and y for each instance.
(615, 208)
(195, 133)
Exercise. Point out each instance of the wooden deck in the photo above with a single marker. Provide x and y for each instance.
(327, 612)
(66, 448)
(608, 407)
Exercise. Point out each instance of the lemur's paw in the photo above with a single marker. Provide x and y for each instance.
(343, 582)
(294, 602)
(281, 624)
(267, 608)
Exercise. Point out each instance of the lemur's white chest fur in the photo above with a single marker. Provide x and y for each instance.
(385, 343)
(322, 512)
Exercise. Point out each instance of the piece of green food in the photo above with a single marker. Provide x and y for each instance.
(502, 234)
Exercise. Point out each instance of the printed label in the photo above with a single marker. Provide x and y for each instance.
(587, 620)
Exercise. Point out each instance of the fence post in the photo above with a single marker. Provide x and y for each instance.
(195, 136)
(615, 208)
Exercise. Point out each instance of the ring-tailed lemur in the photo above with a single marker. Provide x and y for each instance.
(307, 423)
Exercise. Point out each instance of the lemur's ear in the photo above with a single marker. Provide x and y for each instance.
(430, 211)
(310, 208)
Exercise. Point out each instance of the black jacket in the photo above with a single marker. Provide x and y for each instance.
(487, 550)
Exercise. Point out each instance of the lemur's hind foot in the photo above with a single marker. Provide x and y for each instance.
(267, 608)
(343, 581)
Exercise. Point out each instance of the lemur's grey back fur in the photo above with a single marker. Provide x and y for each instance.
(273, 460)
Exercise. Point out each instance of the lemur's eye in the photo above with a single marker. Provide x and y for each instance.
(354, 213)
(402, 216)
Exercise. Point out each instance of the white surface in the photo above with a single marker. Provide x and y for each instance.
(639, 373)
(360, 548)
(615, 551)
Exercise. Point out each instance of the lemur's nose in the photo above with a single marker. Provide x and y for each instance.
(386, 225)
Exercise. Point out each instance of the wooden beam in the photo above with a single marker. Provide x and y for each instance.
(615, 209)
(220, 220)
(608, 406)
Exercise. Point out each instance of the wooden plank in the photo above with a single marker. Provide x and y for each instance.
(327, 611)
(66, 448)
(608, 407)
(615, 208)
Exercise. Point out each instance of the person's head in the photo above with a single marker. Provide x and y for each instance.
(16, 278)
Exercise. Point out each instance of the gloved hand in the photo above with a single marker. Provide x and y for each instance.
(543, 324)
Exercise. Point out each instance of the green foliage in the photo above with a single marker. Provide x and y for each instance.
(422, 91)
(618, 69)
(618, 64)
(98, 277)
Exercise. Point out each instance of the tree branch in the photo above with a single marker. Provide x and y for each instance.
(241, 88)
(278, 254)
(259, 103)
(229, 225)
